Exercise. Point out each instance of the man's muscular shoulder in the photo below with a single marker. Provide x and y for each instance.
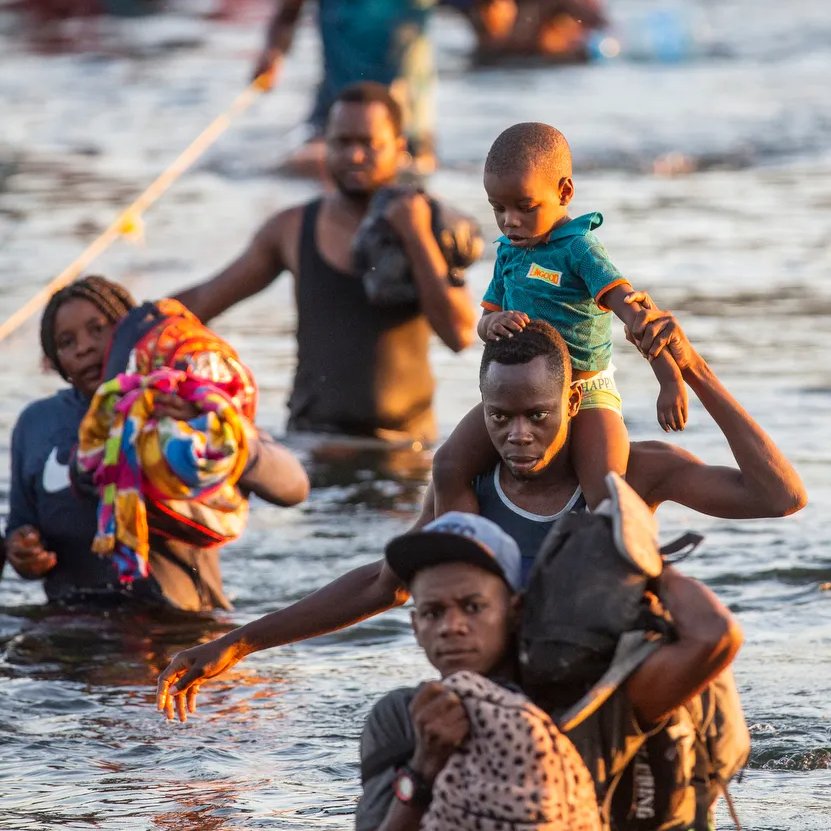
(280, 234)
(651, 465)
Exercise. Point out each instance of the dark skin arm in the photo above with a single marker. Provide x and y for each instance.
(275, 475)
(447, 308)
(496, 325)
(273, 472)
(26, 554)
(279, 35)
(361, 593)
(270, 252)
(708, 639)
(763, 483)
(357, 595)
(672, 399)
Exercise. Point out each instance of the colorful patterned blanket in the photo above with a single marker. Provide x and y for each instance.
(134, 456)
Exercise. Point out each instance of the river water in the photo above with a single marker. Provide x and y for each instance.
(713, 171)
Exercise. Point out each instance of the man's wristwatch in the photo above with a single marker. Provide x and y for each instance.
(411, 788)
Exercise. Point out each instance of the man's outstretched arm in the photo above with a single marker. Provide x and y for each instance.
(361, 593)
(357, 595)
(763, 484)
(256, 268)
(278, 38)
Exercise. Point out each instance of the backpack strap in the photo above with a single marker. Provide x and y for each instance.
(633, 649)
(708, 706)
(681, 547)
(731, 807)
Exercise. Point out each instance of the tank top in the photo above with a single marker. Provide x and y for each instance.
(362, 370)
(529, 530)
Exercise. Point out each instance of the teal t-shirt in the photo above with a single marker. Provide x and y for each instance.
(559, 281)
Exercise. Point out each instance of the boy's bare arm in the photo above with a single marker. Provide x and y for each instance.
(494, 325)
(482, 325)
(672, 399)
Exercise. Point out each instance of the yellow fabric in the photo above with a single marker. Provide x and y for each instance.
(600, 392)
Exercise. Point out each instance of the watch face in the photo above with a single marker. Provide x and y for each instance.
(404, 787)
(411, 789)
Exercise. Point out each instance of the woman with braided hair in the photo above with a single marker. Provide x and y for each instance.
(98, 304)
(52, 524)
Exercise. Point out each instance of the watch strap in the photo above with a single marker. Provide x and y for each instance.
(411, 787)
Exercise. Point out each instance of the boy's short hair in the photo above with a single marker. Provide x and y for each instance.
(369, 92)
(537, 339)
(530, 145)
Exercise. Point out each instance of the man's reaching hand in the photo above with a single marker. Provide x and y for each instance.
(654, 330)
(179, 683)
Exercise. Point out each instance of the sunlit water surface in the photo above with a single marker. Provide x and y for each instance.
(737, 242)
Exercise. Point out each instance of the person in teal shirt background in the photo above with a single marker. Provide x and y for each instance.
(365, 40)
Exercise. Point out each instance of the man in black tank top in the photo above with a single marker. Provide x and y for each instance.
(362, 370)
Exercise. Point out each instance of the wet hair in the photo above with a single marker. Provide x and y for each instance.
(528, 146)
(537, 339)
(371, 92)
(111, 299)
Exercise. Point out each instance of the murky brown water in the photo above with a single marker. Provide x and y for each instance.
(740, 247)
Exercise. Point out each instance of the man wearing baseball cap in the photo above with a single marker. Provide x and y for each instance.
(464, 574)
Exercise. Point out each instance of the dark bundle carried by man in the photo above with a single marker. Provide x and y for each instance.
(380, 259)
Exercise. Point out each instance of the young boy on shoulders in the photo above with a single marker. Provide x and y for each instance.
(552, 267)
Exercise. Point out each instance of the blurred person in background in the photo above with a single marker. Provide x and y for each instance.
(362, 40)
(362, 367)
(556, 31)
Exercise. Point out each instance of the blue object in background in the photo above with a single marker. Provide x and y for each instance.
(663, 35)
(667, 35)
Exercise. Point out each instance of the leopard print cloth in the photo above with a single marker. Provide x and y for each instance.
(514, 772)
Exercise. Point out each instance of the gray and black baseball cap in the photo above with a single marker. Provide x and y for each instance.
(457, 537)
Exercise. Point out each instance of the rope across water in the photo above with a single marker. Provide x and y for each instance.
(128, 222)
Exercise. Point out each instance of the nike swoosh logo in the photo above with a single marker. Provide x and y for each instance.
(55, 475)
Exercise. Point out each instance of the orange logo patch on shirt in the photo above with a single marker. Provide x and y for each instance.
(537, 272)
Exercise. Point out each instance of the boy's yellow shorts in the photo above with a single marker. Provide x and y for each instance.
(600, 392)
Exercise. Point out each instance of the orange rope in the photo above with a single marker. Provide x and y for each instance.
(130, 216)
